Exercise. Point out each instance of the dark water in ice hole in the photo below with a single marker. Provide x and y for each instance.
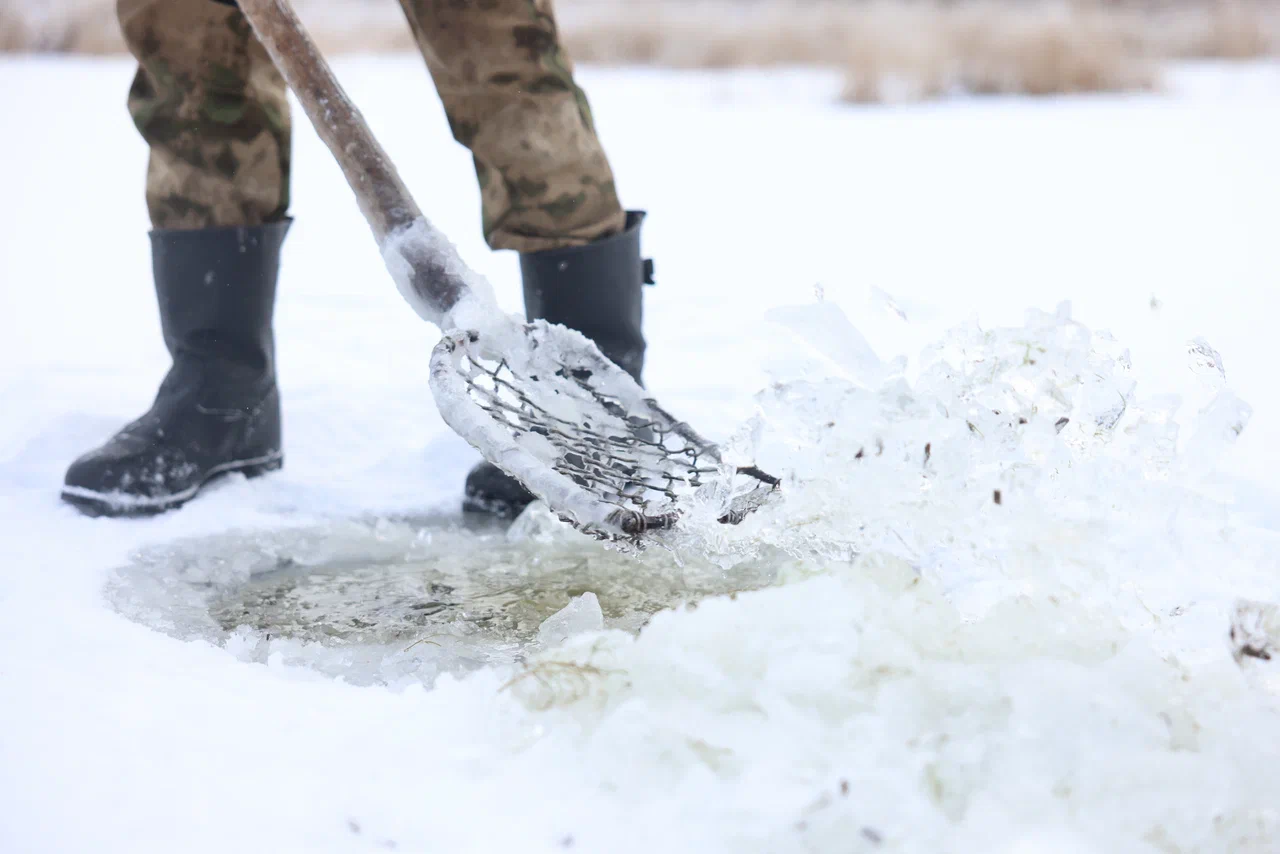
(378, 601)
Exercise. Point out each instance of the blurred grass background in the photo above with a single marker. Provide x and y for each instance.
(888, 50)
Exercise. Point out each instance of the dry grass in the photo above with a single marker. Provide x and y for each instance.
(567, 675)
(13, 31)
(913, 49)
(59, 26)
(889, 49)
(90, 27)
(989, 48)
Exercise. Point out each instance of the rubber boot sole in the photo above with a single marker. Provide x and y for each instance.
(117, 505)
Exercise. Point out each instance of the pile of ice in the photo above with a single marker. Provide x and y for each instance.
(1007, 613)
(1038, 425)
(1005, 621)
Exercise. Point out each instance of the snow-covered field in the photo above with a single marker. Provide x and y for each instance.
(927, 669)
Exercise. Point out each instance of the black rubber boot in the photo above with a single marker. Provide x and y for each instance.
(218, 409)
(596, 289)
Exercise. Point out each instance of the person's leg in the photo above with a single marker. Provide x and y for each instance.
(213, 111)
(510, 96)
(546, 185)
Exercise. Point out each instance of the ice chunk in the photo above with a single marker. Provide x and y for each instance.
(538, 524)
(826, 329)
(884, 299)
(1255, 631)
(582, 614)
(1206, 363)
(1215, 429)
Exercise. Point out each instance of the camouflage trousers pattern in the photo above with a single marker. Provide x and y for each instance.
(214, 111)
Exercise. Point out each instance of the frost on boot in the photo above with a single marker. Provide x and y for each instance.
(218, 409)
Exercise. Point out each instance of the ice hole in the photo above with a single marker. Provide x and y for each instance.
(387, 601)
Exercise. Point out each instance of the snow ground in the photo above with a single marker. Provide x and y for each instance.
(1047, 674)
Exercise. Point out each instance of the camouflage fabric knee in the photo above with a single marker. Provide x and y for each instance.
(213, 110)
(510, 96)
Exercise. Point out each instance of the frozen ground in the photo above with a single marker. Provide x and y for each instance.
(930, 670)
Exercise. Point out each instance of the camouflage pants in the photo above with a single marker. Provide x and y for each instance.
(213, 110)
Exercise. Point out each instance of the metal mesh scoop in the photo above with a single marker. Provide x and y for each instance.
(622, 464)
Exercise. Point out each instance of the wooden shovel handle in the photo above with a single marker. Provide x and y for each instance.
(383, 198)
